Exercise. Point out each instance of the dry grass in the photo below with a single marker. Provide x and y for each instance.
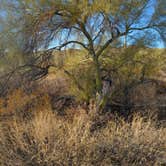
(76, 139)
(49, 140)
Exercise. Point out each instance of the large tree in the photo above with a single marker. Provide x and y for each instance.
(93, 25)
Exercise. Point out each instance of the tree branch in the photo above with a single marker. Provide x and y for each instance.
(146, 27)
(108, 43)
(70, 42)
(85, 32)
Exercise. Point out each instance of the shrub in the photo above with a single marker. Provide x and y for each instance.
(81, 73)
(24, 104)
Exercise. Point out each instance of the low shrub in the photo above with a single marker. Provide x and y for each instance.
(21, 104)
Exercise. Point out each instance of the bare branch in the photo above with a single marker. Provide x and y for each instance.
(108, 43)
(70, 42)
(146, 27)
(85, 32)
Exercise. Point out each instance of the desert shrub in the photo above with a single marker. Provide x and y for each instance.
(79, 72)
(127, 68)
(49, 140)
(10, 82)
(18, 102)
(55, 84)
(83, 84)
(131, 69)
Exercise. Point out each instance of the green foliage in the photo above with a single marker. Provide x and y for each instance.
(131, 67)
(134, 62)
(81, 73)
(127, 67)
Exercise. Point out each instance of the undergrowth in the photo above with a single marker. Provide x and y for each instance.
(48, 139)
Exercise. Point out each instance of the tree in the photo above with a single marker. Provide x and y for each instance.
(89, 25)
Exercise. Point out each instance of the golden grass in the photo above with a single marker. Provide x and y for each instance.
(49, 140)
(76, 139)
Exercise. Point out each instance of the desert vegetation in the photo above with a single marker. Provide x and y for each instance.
(82, 83)
(81, 140)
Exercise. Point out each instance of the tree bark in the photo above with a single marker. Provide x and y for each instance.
(98, 75)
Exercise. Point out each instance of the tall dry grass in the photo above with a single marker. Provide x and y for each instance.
(49, 140)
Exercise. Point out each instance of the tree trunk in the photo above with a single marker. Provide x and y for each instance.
(127, 103)
(125, 41)
(98, 76)
(99, 96)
